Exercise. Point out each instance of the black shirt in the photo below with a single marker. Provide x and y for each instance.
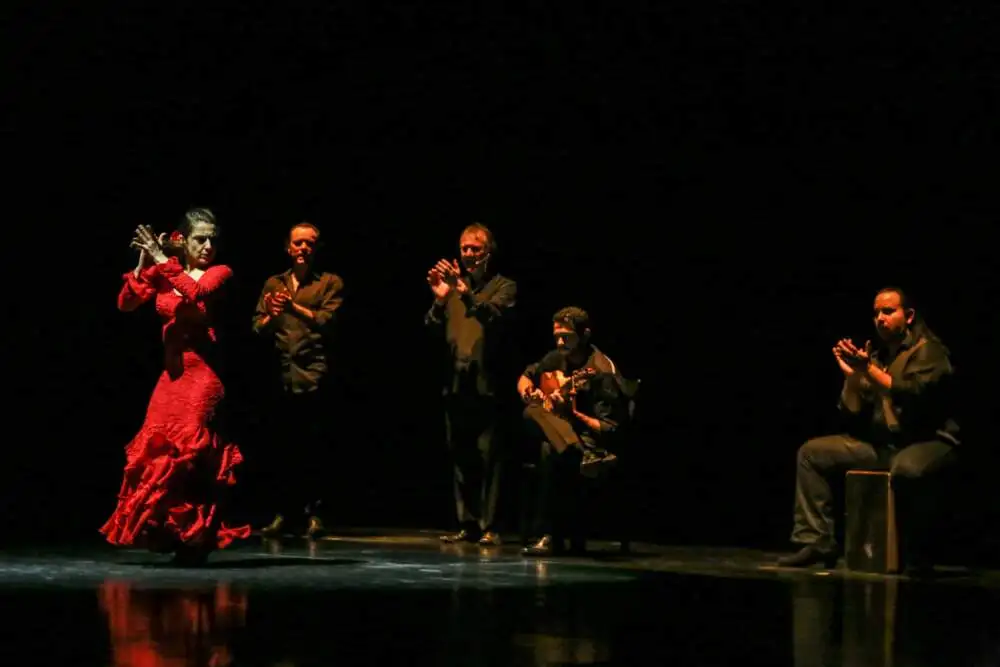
(302, 345)
(600, 396)
(472, 327)
(921, 396)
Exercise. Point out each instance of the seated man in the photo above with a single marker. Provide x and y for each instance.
(899, 399)
(575, 406)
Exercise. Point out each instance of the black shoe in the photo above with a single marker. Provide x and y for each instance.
(461, 536)
(543, 547)
(316, 529)
(274, 528)
(808, 556)
(489, 539)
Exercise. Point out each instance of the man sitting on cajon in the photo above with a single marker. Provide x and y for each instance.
(898, 398)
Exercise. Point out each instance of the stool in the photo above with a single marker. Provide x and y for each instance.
(871, 540)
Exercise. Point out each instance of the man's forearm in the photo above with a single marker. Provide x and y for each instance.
(850, 398)
(878, 377)
(592, 423)
(303, 312)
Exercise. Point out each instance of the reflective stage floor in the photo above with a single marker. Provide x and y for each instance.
(396, 597)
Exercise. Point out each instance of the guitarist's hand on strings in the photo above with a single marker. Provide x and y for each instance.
(531, 395)
(558, 400)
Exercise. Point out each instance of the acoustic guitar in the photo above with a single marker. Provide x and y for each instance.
(552, 382)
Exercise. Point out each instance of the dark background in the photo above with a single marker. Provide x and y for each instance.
(724, 191)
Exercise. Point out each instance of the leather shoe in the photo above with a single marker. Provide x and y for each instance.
(809, 555)
(274, 528)
(316, 529)
(461, 536)
(489, 539)
(542, 547)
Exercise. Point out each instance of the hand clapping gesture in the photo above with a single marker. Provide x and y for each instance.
(150, 246)
(277, 302)
(445, 276)
(851, 358)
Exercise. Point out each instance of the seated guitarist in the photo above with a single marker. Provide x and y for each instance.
(576, 422)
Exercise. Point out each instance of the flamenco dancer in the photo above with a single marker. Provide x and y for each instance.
(178, 467)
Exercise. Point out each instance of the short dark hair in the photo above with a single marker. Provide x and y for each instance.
(574, 317)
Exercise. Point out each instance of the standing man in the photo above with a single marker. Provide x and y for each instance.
(899, 399)
(296, 309)
(472, 303)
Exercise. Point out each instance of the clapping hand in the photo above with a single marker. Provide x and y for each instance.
(852, 358)
(149, 245)
(452, 274)
(444, 276)
(449, 271)
(277, 302)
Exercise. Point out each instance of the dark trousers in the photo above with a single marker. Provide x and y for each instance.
(560, 484)
(912, 468)
(470, 429)
(298, 476)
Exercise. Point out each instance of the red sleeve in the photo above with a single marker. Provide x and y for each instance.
(137, 291)
(191, 289)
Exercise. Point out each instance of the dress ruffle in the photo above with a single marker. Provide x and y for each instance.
(169, 491)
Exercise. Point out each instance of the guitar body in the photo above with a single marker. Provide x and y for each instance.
(552, 382)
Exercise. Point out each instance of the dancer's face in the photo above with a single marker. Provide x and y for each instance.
(200, 245)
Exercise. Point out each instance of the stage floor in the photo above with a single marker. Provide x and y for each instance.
(388, 597)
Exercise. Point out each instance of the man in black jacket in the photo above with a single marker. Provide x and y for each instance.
(472, 304)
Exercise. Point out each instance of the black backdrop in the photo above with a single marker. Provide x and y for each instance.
(723, 191)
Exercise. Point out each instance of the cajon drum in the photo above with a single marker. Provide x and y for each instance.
(871, 540)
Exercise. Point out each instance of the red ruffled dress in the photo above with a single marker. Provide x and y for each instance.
(178, 466)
